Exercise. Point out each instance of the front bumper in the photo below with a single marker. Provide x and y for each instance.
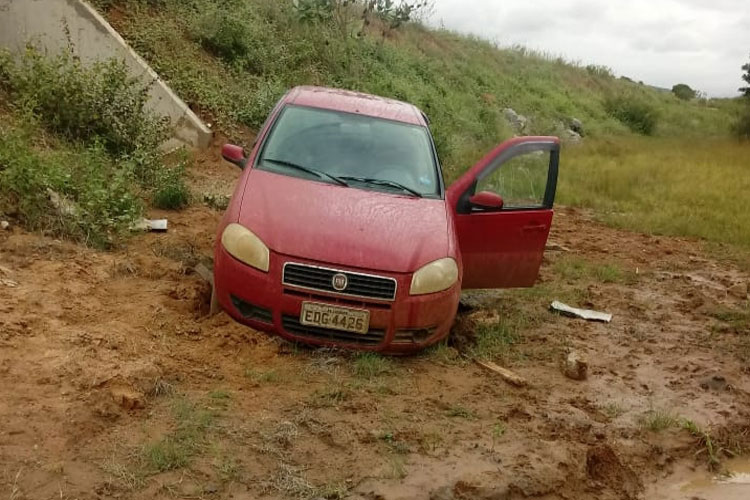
(260, 300)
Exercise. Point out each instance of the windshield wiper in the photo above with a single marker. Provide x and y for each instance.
(383, 182)
(309, 170)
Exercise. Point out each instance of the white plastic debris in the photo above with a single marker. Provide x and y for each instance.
(586, 314)
(159, 225)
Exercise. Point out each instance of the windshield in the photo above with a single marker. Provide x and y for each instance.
(355, 150)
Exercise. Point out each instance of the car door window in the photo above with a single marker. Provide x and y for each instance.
(521, 181)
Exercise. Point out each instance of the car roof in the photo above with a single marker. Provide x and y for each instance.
(356, 102)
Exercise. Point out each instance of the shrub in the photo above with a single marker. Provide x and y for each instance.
(98, 104)
(635, 113)
(96, 199)
(741, 127)
(684, 92)
(79, 151)
(224, 34)
(171, 193)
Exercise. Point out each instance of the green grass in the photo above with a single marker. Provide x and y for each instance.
(234, 63)
(368, 365)
(657, 420)
(175, 449)
(496, 341)
(572, 268)
(663, 186)
(82, 135)
(263, 377)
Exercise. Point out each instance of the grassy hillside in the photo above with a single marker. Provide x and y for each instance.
(232, 59)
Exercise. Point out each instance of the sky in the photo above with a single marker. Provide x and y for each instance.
(702, 43)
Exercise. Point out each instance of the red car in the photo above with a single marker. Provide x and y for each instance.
(341, 232)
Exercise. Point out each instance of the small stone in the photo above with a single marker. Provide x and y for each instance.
(4, 225)
(571, 136)
(574, 367)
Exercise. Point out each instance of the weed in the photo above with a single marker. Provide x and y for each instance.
(462, 412)
(496, 341)
(124, 475)
(330, 396)
(613, 409)
(429, 442)
(704, 441)
(368, 365)
(171, 192)
(498, 431)
(175, 449)
(228, 468)
(657, 420)
(444, 354)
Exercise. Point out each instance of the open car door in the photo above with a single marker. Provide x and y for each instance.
(503, 212)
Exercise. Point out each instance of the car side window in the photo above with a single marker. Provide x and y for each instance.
(521, 181)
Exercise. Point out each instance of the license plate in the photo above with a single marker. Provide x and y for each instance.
(335, 318)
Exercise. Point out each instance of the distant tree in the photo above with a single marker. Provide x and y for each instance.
(746, 90)
(742, 126)
(683, 91)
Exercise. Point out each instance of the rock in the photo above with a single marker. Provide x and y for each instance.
(739, 290)
(574, 367)
(63, 205)
(571, 136)
(516, 121)
(4, 225)
(576, 126)
(715, 382)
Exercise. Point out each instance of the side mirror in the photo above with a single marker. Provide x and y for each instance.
(234, 154)
(486, 200)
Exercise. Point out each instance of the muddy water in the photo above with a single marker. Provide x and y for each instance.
(703, 485)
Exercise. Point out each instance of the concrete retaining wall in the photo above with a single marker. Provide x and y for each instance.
(51, 24)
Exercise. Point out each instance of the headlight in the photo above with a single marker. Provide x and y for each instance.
(245, 246)
(434, 277)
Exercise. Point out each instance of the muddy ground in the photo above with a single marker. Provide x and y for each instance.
(114, 384)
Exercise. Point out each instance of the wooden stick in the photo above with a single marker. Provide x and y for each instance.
(507, 375)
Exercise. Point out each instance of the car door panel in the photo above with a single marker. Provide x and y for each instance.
(502, 251)
(504, 247)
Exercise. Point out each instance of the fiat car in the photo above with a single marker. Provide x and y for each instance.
(341, 230)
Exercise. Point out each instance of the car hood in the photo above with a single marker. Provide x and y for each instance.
(334, 224)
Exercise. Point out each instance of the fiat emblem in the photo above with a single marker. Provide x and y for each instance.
(339, 281)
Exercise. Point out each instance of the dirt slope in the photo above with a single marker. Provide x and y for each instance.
(114, 385)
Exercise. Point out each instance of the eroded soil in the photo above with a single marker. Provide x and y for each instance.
(114, 383)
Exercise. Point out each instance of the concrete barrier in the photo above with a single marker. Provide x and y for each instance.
(54, 24)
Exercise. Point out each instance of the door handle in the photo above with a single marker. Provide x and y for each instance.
(535, 227)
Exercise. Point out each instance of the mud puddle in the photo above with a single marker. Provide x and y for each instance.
(733, 484)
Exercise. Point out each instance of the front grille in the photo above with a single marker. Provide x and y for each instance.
(251, 311)
(358, 285)
(292, 325)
